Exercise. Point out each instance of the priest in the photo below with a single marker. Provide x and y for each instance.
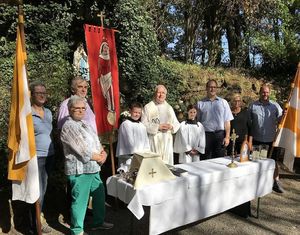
(161, 123)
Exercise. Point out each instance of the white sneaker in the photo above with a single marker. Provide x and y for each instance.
(83, 233)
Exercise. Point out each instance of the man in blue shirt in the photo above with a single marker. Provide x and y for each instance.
(265, 115)
(215, 115)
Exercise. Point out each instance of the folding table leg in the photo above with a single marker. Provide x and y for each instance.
(257, 208)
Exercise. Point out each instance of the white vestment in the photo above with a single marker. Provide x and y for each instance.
(190, 136)
(160, 142)
(132, 138)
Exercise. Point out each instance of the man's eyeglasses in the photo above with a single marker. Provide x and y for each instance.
(40, 93)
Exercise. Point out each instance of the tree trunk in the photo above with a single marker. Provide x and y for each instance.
(213, 27)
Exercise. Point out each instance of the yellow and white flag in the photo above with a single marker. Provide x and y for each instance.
(22, 165)
(289, 130)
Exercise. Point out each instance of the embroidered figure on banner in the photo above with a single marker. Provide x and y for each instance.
(105, 79)
(80, 63)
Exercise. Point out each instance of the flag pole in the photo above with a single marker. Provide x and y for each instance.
(111, 151)
(111, 133)
(21, 27)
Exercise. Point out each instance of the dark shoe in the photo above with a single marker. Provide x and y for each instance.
(277, 187)
(104, 226)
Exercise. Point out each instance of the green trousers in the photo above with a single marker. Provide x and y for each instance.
(82, 187)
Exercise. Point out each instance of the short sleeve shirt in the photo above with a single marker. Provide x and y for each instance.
(264, 119)
(42, 133)
(213, 113)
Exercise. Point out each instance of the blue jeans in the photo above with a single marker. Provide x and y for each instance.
(45, 165)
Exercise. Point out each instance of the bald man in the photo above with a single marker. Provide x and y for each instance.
(161, 123)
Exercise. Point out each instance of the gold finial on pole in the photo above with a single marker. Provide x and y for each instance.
(102, 17)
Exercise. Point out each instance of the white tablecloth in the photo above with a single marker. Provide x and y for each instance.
(209, 188)
(147, 196)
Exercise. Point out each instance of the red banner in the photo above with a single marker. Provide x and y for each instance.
(102, 58)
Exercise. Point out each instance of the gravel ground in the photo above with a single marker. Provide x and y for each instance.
(279, 214)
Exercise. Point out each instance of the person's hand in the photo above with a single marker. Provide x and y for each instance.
(226, 141)
(250, 145)
(102, 157)
(165, 127)
(194, 152)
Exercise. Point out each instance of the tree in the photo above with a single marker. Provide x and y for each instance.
(278, 40)
(137, 50)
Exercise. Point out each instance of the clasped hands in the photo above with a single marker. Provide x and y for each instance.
(193, 152)
(164, 127)
(100, 157)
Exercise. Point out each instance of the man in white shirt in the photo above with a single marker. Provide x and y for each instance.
(215, 115)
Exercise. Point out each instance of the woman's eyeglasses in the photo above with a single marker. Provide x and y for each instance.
(78, 109)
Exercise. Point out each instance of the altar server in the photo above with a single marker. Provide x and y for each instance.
(132, 135)
(161, 123)
(190, 138)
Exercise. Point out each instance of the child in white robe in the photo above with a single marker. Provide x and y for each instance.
(132, 136)
(190, 139)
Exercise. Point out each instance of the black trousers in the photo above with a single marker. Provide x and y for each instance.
(237, 148)
(214, 145)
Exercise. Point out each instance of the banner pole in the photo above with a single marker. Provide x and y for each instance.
(111, 150)
(21, 27)
(102, 16)
(38, 217)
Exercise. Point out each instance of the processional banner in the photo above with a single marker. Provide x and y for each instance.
(289, 129)
(104, 76)
(22, 160)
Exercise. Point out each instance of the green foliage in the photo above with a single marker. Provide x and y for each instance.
(53, 28)
(46, 34)
(137, 51)
(278, 40)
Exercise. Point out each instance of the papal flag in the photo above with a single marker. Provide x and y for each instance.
(22, 165)
(289, 129)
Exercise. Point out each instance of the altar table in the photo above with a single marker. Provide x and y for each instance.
(209, 188)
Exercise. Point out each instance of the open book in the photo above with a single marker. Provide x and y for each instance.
(178, 171)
